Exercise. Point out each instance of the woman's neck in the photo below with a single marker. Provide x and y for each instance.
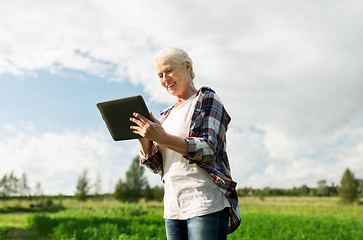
(186, 95)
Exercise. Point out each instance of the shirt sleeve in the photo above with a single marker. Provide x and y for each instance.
(208, 130)
(154, 160)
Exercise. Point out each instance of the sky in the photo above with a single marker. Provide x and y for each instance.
(288, 72)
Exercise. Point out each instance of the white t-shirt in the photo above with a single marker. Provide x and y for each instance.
(189, 190)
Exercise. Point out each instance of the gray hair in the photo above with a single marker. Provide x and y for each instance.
(177, 53)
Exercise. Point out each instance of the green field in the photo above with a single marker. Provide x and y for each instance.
(272, 218)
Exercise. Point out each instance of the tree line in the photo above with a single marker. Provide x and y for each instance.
(135, 187)
(349, 190)
(12, 186)
(323, 190)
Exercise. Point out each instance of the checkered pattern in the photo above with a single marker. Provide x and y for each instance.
(207, 148)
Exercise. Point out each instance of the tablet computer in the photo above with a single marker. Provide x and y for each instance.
(117, 113)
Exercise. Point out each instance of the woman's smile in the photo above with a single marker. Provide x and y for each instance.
(171, 85)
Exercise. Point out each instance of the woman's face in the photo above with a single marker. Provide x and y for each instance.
(174, 77)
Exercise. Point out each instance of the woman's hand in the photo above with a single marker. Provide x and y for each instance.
(151, 130)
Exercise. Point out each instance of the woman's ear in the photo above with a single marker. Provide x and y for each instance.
(187, 64)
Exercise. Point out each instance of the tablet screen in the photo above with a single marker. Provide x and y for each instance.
(116, 114)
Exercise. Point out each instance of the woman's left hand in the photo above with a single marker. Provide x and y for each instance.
(151, 130)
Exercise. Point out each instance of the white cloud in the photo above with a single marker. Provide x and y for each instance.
(292, 70)
(327, 162)
(57, 159)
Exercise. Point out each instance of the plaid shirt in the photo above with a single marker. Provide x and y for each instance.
(207, 148)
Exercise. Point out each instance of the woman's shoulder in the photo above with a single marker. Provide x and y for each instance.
(208, 93)
(205, 90)
(209, 100)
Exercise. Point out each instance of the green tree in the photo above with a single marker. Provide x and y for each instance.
(83, 186)
(133, 188)
(38, 191)
(23, 188)
(153, 194)
(323, 189)
(304, 190)
(158, 193)
(120, 191)
(13, 182)
(60, 198)
(135, 180)
(333, 190)
(98, 187)
(9, 187)
(348, 190)
(4, 188)
(244, 192)
(360, 187)
(148, 193)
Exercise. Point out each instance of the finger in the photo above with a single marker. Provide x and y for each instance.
(136, 130)
(137, 122)
(138, 133)
(141, 117)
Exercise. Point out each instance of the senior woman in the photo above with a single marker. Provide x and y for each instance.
(187, 147)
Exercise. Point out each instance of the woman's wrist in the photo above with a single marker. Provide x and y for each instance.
(175, 143)
(145, 146)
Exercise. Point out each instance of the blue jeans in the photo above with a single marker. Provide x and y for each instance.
(213, 226)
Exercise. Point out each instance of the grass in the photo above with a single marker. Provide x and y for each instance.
(87, 228)
(302, 206)
(18, 220)
(271, 218)
(270, 226)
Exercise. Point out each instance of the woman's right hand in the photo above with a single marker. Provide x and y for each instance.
(145, 143)
(146, 128)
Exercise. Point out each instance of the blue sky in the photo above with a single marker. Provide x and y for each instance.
(61, 104)
(57, 102)
(289, 74)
